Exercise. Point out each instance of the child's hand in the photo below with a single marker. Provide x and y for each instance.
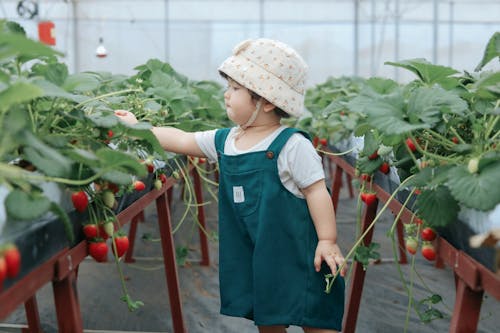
(126, 116)
(330, 252)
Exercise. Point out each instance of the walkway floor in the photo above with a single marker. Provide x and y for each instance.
(383, 308)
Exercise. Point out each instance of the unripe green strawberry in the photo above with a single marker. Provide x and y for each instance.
(109, 228)
(108, 198)
(473, 165)
(158, 184)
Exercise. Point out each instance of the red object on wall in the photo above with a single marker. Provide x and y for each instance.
(46, 32)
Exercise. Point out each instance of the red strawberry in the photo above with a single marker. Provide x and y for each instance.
(411, 245)
(373, 156)
(102, 232)
(90, 230)
(366, 177)
(411, 144)
(385, 168)
(428, 251)
(163, 178)
(139, 185)
(80, 200)
(110, 134)
(98, 250)
(315, 141)
(454, 139)
(368, 197)
(323, 142)
(13, 259)
(122, 244)
(202, 160)
(428, 234)
(113, 187)
(3, 270)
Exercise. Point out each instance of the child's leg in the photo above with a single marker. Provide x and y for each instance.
(272, 329)
(318, 330)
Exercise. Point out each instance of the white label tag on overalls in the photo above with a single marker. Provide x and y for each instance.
(238, 194)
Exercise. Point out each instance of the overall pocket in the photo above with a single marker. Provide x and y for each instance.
(246, 190)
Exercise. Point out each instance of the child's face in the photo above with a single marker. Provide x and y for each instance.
(239, 103)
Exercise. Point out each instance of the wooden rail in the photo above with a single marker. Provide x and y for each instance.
(471, 277)
(62, 268)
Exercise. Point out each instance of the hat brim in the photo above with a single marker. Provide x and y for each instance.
(264, 83)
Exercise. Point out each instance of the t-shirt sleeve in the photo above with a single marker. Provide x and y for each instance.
(303, 161)
(206, 142)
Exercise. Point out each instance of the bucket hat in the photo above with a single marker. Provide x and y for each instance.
(271, 69)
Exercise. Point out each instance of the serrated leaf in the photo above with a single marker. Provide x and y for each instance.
(106, 121)
(389, 118)
(17, 93)
(426, 105)
(51, 90)
(81, 82)
(114, 159)
(117, 177)
(437, 207)
(491, 51)
(427, 72)
(45, 158)
(479, 190)
(26, 206)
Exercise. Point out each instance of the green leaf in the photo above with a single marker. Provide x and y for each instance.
(51, 90)
(491, 51)
(81, 82)
(112, 159)
(479, 190)
(388, 117)
(15, 44)
(426, 105)
(117, 177)
(104, 120)
(17, 93)
(437, 207)
(44, 157)
(426, 71)
(26, 206)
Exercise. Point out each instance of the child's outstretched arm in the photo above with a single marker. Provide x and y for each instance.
(321, 209)
(171, 139)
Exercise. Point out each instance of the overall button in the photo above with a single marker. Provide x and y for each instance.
(270, 154)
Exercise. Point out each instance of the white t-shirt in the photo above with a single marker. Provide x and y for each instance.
(299, 165)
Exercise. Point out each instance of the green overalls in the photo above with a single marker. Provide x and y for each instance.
(267, 243)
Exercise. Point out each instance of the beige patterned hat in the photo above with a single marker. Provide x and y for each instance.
(271, 69)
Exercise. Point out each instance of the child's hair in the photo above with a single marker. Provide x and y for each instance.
(269, 69)
(255, 97)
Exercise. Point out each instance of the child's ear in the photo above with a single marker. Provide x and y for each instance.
(268, 106)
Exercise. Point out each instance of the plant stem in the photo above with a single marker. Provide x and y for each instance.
(105, 95)
(360, 239)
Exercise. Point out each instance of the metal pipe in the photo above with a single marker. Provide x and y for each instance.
(396, 40)
(451, 37)
(167, 32)
(435, 32)
(76, 48)
(356, 37)
(373, 70)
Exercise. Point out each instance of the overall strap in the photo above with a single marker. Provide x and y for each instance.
(282, 138)
(220, 139)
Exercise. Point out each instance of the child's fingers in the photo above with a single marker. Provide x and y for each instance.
(331, 260)
(317, 262)
(121, 112)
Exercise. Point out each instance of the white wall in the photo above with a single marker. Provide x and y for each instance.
(198, 35)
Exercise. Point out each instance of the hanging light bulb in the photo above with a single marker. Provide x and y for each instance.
(101, 51)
